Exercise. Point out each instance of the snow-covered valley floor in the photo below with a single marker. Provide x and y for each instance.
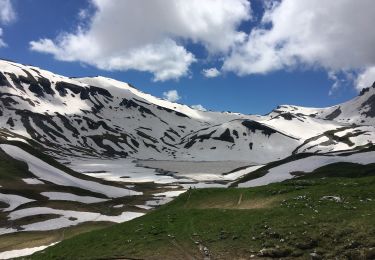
(180, 173)
(163, 180)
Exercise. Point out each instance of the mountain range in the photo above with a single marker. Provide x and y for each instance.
(79, 154)
(102, 117)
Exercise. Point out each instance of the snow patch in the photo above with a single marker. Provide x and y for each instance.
(72, 197)
(23, 252)
(49, 173)
(309, 164)
(13, 201)
(32, 181)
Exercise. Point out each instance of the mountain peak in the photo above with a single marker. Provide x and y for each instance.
(103, 117)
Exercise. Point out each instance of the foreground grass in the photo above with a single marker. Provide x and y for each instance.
(22, 240)
(293, 219)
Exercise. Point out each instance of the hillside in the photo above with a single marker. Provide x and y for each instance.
(307, 218)
(96, 117)
(81, 154)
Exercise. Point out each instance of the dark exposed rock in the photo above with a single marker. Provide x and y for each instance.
(108, 150)
(334, 114)
(35, 88)
(370, 102)
(46, 85)
(363, 91)
(16, 81)
(145, 128)
(134, 142)
(173, 131)
(68, 125)
(130, 103)
(3, 97)
(62, 87)
(8, 101)
(287, 116)
(10, 122)
(151, 145)
(40, 86)
(86, 92)
(33, 84)
(44, 122)
(225, 136)
(101, 91)
(199, 138)
(93, 125)
(255, 126)
(235, 133)
(170, 137)
(146, 136)
(3, 80)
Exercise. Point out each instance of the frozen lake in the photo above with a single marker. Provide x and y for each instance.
(161, 172)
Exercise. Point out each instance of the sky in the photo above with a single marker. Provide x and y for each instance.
(238, 55)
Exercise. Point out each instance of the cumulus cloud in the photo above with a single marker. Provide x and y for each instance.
(171, 95)
(211, 72)
(334, 35)
(199, 107)
(149, 35)
(366, 78)
(7, 15)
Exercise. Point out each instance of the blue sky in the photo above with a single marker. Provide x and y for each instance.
(252, 85)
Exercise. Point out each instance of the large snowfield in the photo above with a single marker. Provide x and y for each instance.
(119, 140)
(49, 173)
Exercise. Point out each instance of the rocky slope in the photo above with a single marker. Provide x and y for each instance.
(103, 117)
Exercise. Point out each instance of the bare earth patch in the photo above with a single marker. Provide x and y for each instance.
(240, 203)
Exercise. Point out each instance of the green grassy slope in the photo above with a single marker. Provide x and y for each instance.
(292, 219)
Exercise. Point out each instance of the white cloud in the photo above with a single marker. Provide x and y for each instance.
(199, 107)
(7, 15)
(171, 95)
(148, 35)
(366, 78)
(211, 72)
(340, 79)
(335, 35)
(83, 14)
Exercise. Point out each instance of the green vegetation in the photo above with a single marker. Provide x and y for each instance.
(342, 169)
(319, 218)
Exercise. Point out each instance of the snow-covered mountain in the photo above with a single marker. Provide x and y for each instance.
(84, 122)
(103, 117)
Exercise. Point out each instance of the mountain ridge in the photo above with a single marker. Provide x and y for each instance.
(98, 116)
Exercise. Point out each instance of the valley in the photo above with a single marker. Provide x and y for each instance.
(84, 154)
